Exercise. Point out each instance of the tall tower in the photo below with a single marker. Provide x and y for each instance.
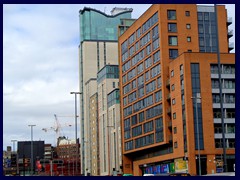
(168, 58)
(98, 47)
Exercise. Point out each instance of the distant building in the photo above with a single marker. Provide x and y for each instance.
(67, 150)
(24, 154)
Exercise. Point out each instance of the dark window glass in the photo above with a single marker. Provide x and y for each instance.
(172, 27)
(172, 40)
(173, 53)
(171, 14)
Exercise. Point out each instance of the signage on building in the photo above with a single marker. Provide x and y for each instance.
(180, 165)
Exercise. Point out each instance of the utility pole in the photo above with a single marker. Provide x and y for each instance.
(77, 152)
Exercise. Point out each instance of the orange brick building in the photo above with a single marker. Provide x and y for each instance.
(167, 57)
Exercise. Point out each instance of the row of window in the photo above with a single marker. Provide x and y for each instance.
(141, 55)
(225, 69)
(150, 113)
(229, 128)
(230, 143)
(144, 141)
(147, 25)
(150, 87)
(226, 83)
(228, 113)
(155, 71)
(227, 98)
(148, 127)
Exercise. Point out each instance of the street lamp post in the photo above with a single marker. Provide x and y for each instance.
(75, 93)
(31, 148)
(199, 160)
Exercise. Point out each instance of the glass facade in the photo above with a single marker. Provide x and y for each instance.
(195, 74)
(96, 25)
(113, 98)
(207, 32)
(108, 72)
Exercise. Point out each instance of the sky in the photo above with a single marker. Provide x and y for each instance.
(40, 67)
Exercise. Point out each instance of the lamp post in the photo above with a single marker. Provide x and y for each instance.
(31, 147)
(75, 93)
(199, 160)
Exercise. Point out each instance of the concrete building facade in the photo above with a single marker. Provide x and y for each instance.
(167, 57)
(109, 121)
(98, 47)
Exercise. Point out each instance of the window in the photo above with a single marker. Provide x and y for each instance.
(148, 49)
(173, 53)
(206, 16)
(136, 131)
(188, 39)
(156, 57)
(114, 85)
(148, 126)
(188, 26)
(138, 32)
(173, 87)
(172, 27)
(175, 144)
(201, 41)
(141, 116)
(175, 130)
(187, 13)
(158, 96)
(172, 73)
(172, 41)
(171, 14)
(155, 44)
(173, 101)
(159, 82)
(174, 115)
(189, 50)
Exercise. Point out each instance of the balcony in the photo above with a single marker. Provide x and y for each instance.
(227, 135)
(170, 125)
(229, 21)
(170, 140)
(226, 120)
(230, 46)
(168, 83)
(169, 97)
(230, 33)
(169, 111)
(181, 72)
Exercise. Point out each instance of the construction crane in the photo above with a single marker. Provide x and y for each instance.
(57, 127)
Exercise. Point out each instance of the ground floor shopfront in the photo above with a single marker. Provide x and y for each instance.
(209, 164)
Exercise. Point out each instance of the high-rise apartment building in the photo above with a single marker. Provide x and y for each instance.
(98, 47)
(168, 66)
(109, 120)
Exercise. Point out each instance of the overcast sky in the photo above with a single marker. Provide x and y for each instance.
(40, 67)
